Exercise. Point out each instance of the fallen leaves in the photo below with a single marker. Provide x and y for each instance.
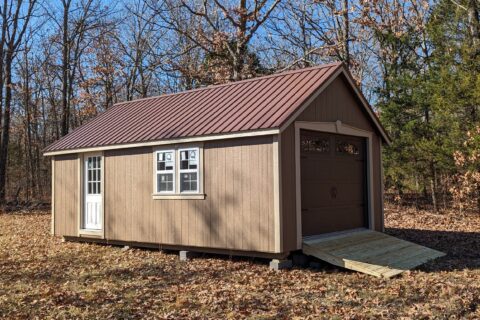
(41, 277)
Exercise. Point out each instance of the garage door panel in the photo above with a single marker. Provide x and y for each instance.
(324, 220)
(316, 194)
(331, 170)
(333, 182)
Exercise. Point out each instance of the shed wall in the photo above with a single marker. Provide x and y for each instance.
(236, 214)
(336, 102)
(67, 196)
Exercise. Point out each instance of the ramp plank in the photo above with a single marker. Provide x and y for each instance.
(368, 251)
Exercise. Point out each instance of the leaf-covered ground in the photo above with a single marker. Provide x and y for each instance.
(41, 277)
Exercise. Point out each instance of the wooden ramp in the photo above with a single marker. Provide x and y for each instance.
(368, 251)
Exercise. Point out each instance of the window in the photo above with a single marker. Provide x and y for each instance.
(315, 144)
(94, 175)
(188, 171)
(165, 171)
(348, 148)
(178, 173)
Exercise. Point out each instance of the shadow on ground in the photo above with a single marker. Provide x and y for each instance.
(462, 248)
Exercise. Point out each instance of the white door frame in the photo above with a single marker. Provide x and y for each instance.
(337, 128)
(82, 231)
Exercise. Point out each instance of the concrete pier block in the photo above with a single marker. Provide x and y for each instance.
(277, 264)
(187, 255)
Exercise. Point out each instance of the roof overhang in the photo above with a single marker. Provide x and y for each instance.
(359, 95)
(253, 133)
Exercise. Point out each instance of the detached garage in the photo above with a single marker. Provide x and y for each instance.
(253, 167)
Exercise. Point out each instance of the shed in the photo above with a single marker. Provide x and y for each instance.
(246, 168)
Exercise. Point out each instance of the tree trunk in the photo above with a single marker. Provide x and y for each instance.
(346, 33)
(478, 198)
(433, 187)
(6, 126)
(65, 71)
(241, 46)
(474, 24)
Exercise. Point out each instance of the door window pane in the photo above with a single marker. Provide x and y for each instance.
(94, 175)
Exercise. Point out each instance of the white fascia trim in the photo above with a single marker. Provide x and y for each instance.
(167, 142)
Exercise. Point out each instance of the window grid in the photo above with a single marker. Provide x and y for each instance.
(94, 178)
(165, 171)
(188, 170)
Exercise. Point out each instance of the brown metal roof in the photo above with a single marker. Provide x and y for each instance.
(254, 104)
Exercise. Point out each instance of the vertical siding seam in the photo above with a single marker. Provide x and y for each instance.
(382, 186)
(277, 194)
(52, 231)
(79, 201)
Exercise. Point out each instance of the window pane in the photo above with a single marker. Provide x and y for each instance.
(165, 161)
(164, 182)
(184, 164)
(184, 155)
(344, 147)
(99, 176)
(161, 166)
(89, 187)
(99, 187)
(188, 181)
(89, 175)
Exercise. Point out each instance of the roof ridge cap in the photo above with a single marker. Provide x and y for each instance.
(321, 66)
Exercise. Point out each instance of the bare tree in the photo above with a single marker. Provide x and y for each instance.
(75, 22)
(15, 19)
(305, 33)
(224, 29)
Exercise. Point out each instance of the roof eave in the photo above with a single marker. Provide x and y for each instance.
(233, 135)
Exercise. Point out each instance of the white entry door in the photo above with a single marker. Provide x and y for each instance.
(92, 213)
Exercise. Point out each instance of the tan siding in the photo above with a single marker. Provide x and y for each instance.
(66, 195)
(337, 102)
(236, 214)
(288, 189)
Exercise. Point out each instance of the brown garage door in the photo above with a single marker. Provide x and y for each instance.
(333, 182)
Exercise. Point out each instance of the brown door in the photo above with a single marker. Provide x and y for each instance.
(333, 178)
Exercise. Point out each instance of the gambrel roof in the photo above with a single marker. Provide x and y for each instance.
(259, 105)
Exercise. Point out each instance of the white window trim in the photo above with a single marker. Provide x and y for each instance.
(180, 170)
(199, 194)
(157, 172)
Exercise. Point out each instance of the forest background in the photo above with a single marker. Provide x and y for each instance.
(418, 63)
